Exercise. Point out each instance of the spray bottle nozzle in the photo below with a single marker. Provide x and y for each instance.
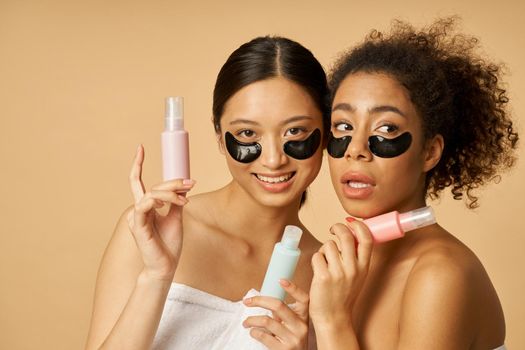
(417, 218)
(174, 118)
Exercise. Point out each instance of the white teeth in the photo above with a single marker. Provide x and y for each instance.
(355, 184)
(274, 180)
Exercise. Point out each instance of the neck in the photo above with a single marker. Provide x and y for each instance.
(254, 222)
(394, 247)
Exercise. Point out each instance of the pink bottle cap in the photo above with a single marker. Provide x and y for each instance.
(392, 225)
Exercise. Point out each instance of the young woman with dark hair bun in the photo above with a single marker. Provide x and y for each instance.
(158, 290)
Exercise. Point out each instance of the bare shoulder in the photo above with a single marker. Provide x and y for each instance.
(200, 211)
(449, 290)
(442, 256)
(443, 261)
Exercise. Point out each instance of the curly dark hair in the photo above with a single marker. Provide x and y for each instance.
(457, 93)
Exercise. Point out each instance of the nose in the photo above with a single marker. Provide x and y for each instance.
(273, 156)
(358, 148)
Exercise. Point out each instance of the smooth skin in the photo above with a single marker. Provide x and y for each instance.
(149, 251)
(424, 291)
(158, 241)
(269, 330)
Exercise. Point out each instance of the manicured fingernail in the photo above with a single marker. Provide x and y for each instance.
(244, 324)
(188, 182)
(247, 300)
(350, 219)
(284, 283)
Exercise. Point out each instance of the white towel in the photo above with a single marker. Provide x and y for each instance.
(193, 319)
(238, 337)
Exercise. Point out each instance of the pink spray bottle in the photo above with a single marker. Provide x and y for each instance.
(389, 226)
(175, 149)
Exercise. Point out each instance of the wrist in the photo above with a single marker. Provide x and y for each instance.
(146, 278)
(335, 334)
(333, 326)
(165, 272)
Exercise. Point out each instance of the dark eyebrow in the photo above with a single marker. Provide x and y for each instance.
(378, 109)
(296, 118)
(343, 107)
(287, 121)
(386, 108)
(243, 121)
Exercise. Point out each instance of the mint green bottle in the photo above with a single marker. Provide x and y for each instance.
(282, 263)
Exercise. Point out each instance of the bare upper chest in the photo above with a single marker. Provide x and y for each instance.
(378, 308)
(227, 269)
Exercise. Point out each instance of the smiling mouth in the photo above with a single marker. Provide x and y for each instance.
(275, 179)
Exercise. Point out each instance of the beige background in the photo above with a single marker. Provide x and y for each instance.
(82, 83)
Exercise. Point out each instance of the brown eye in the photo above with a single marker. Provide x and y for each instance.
(246, 133)
(388, 128)
(343, 127)
(294, 131)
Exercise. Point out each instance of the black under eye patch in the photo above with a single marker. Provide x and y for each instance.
(240, 151)
(380, 146)
(303, 149)
(389, 148)
(248, 152)
(336, 147)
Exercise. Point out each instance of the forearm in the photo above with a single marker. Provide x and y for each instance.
(335, 336)
(138, 322)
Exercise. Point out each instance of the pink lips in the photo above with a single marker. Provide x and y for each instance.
(363, 185)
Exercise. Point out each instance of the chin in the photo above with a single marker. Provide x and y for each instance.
(277, 200)
(363, 209)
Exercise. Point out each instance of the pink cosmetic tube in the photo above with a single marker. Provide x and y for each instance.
(393, 225)
(175, 149)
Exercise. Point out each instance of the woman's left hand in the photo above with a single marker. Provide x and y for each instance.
(340, 270)
(287, 328)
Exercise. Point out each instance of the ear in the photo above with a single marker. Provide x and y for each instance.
(433, 151)
(220, 143)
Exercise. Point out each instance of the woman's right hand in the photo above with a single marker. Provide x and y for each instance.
(158, 238)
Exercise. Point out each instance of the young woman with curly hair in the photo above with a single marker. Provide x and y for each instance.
(443, 113)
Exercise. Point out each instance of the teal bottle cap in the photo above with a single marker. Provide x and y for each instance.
(291, 236)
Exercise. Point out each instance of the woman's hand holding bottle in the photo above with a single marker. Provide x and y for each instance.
(287, 328)
(158, 238)
(340, 268)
